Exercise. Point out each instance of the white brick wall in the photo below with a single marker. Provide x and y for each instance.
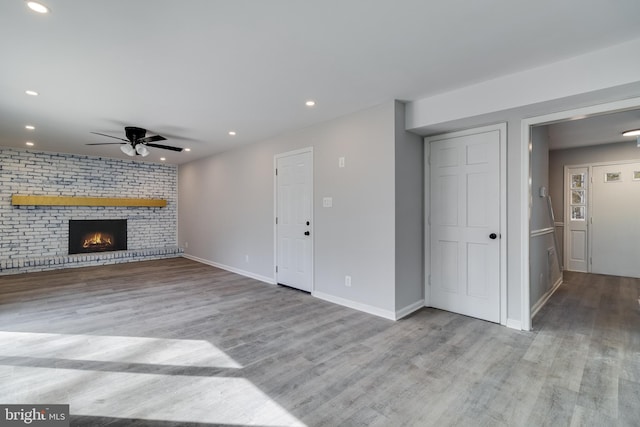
(29, 233)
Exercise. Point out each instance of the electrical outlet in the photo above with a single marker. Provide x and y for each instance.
(186, 244)
(341, 162)
(246, 258)
(347, 281)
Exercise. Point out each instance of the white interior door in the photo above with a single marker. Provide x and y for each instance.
(294, 240)
(576, 219)
(465, 224)
(615, 217)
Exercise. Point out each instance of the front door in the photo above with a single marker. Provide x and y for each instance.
(577, 224)
(465, 223)
(294, 240)
(615, 220)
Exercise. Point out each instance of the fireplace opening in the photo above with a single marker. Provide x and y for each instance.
(97, 235)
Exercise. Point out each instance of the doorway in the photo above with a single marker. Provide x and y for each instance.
(529, 192)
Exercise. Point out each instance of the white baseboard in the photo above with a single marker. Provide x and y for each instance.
(355, 305)
(403, 312)
(514, 324)
(259, 277)
(543, 300)
(327, 297)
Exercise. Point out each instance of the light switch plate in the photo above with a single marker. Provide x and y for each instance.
(341, 162)
(327, 202)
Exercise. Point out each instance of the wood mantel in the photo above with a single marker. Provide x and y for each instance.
(18, 199)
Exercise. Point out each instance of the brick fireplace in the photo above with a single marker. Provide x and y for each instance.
(36, 238)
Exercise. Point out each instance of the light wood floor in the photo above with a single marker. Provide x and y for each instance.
(174, 342)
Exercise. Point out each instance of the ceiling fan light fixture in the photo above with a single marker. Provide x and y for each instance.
(632, 132)
(37, 7)
(128, 150)
(142, 150)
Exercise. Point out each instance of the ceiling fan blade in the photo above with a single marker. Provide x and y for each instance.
(106, 143)
(166, 147)
(114, 137)
(151, 139)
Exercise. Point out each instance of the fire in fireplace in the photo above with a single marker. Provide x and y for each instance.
(97, 235)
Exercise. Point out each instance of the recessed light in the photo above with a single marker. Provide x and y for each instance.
(632, 132)
(187, 149)
(163, 159)
(30, 127)
(31, 92)
(310, 103)
(232, 133)
(37, 7)
(29, 143)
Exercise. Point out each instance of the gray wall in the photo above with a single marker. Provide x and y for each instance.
(539, 177)
(226, 208)
(543, 265)
(558, 159)
(409, 165)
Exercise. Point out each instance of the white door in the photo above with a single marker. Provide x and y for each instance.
(576, 219)
(294, 240)
(465, 224)
(615, 217)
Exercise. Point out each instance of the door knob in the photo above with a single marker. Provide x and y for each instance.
(493, 236)
(306, 233)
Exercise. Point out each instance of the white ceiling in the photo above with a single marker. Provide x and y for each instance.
(192, 70)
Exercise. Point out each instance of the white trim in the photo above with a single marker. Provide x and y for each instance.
(525, 196)
(405, 311)
(249, 274)
(543, 300)
(502, 132)
(355, 305)
(525, 214)
(427, 223)
(514, 324)
(275, 211)
(503, 224)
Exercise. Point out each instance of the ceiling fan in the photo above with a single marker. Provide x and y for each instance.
(136, 142)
